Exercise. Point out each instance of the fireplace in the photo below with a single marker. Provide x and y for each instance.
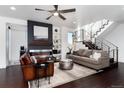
(39, 35)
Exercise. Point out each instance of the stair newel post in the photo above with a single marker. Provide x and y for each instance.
(95, 42)
(102, 45)
(109, 51)
(113, 53)
(117, 54)
(91, 36)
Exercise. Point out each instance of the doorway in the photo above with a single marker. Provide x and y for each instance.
(16, 37)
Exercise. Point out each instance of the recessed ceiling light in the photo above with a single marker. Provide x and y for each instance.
(13, 8)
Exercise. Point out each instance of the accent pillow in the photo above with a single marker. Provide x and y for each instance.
(26, 59)
(33, 59)
(96, 55)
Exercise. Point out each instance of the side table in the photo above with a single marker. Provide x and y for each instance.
(41, 66)
(49, 62)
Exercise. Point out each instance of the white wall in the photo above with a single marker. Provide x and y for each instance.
(64, 36)
(3, 38)
(116, 36)
(3, 52)
(3, 21)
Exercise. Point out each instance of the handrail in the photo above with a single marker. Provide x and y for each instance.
(102, 42)
(109, 42)
(116, 48)
(89, 46)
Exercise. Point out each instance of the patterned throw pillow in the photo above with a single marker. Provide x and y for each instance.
(26, 59)
(96, 55)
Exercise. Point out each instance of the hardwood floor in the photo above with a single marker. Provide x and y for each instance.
(12, 78)
(111, 78)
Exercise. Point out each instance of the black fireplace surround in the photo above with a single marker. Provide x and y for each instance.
(42, 43)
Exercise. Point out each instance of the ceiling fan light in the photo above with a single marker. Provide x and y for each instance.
(12, 8)
(56, 14)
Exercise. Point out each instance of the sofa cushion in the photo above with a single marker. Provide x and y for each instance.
(87, 53)
(104, 54)
(80, 52)
(85, 59)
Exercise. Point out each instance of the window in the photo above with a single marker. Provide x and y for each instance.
(70, 38)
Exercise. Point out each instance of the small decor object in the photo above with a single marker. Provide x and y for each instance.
(56, 30)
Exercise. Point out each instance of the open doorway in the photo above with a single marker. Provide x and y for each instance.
(16, 37)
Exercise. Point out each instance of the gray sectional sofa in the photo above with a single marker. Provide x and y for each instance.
(88, 58)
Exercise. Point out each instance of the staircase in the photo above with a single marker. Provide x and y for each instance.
(104, 45)
(95, 43)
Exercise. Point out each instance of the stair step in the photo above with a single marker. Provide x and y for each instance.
(90, 45)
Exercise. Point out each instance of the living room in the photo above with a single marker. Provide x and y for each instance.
(75, 48)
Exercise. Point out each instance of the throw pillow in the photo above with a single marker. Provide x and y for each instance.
(26, 59)
(96, 55)
(33, 59)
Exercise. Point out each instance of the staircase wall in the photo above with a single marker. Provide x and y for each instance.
(107, 27)
(115, 34)
(108, 30)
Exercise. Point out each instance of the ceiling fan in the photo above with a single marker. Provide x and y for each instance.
(57, 12)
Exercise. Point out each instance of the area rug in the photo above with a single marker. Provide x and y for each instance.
(63, 76)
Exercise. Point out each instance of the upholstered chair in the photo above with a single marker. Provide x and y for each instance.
(28, 67)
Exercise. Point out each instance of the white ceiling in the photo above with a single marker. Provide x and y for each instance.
(84, 13)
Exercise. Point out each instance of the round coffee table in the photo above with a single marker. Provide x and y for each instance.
(66, 64)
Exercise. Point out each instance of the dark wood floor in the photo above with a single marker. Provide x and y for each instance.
(111, 78)
(12, 78)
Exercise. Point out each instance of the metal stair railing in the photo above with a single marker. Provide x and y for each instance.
(102, 45)
(112, 48)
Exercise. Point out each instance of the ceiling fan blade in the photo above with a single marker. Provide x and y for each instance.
(49, 17)
(40, 9)
(67, 10)
(56, 7)
(62, 17)
(51, 11)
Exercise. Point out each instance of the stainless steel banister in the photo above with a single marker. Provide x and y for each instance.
(101, 42)
(109, 42)
(110, 49)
